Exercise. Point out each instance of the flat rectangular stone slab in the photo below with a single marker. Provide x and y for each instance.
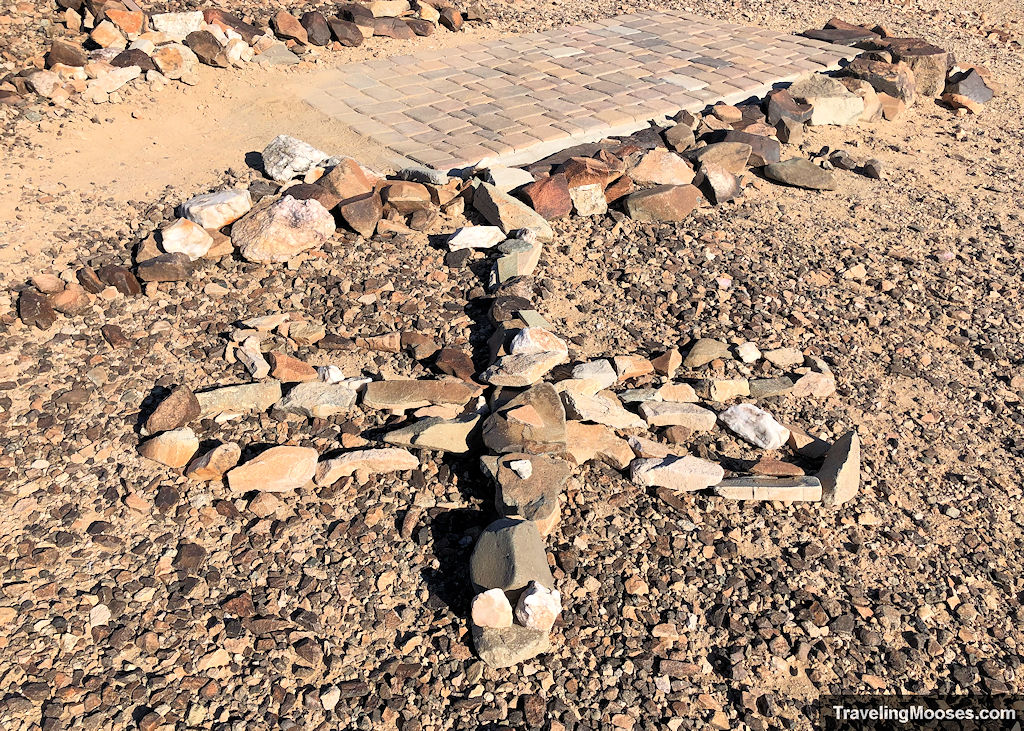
(517, 99)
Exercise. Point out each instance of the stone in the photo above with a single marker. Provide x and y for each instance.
(631, 366)
(780, 105)
(240, 399)
(287, 369)
(211, 465)
(789, 132)
(250, 355)
(814, 385)
(589, 378)
(505, 647)
(406, 197)
(533, 352)
(843, 36)
(580, 171)
(287, 27)
(588, 200)
(675, 392)
(227, 21)
(763, 149)
(71, 300)
(968, 84)
(784, 357)
(455, 362)
(718, 184)
(175, 61)
(475, 237)
(667, 413)
(106, 35)
(894, 79)
(733, 156)
(619, 189)
(549, 196)
(172, 448)
(600, 410)
(90, 280)
(179, 408)
(121, 279)
(872, 106)
(840, 472)
(399, 395)
(65, 53)
(45, 83)
(705, 350)
(787, 489)
(508, 555)
(318, 400)
(444, 435)
(667, 203)
(392, 28)
(318, 32)
(286, 158)
(304, 332)
(277, 231)
(776, 468)
(388, 8)
(679, 137)
(362, 213)
(207, 48)
(958, 101)
(755, 425)
(682, 474)
(528, 487)
(216, 210)
(661, 167)
(491, 610)
(889, 106)
(532, 422)
(760, 388)
(538, 607)
(929, 64)
(831, 101)
(369, 461)
(177, 25)
(805, 444)
(507, 213)
(586, 442)
(186, 237)
(507, 179)
(35, 309)
(520, 259)
(451, 19)
(278, 469)
(133, 57)
(345, 32)
(420, 27)
(800, 172)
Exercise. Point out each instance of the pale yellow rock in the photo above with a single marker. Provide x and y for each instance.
(279, 469)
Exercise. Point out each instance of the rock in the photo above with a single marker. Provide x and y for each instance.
(538, 607)
(45, 83)
(400, 395)
(601, 410)
(889, 106)
(406, 197)
(677, 393)
(679, 137)
(90, 280)
(507, 179)
(121, 279)
(503, 648)
(491, 610)
(788, 489)
(291, 370)
(186, 237)
(240, 399)
(872, 169)
(549, 197)
(666, 413)
(784, 357)
(704, 351)
(288, 27)
(370, 461)
(317, 30)
(661, 167)
(278, 469)
(277, 231)
(755, 425)
(763, 149)
(455, 362)
(631, 366)
(207, 48)
(589, 378)
(392, 28)
(872, 106)
(177, 25)
(226, 21)
(683, 474)
(588, 200)
(508, 555)
(286, 158)
(212, 465)
(840, 472)
(72, 300)
(894, 79)
(216, 210)
(362, 213)
(176, 267)
(475, 237)
(815, 385)
(532, 422)
(133, 57)
(928, 63)
(507, 213)
(451, 19)
(586, 442)
(970, 85)
(250, 355)
(175, 61)
(767, 387)
(388, 8)
(445, 435)
(346, 33)
(780, 105)
(106, 35)
(719, 185)
(35, 309)
(619, 189)
(790, 132)
(179, 408)
(844, 36)
(733, 156)
(64, 53)
(347, 179)
(319, 400)
(663, 203)
(172, 448)
(800, 173)
(832, 102)
(528, 487)
(520, 259)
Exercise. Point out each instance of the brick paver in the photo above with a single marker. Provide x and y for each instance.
(520, 98)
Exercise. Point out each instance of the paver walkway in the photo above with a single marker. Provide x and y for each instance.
(517, 99)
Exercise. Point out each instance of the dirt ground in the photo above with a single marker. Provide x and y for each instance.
(908, 287)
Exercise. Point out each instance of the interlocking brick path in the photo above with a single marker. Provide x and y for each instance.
(521, 98)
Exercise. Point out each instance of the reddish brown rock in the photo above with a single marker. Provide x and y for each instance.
(345, 32)
(420, 27)
(392, 28)
(362, 213)
(129, 22)
(287, 27)
(179, 408)
(207, 48)
(894, 79)
(318, 31)
(287, 369)
(65, 53)
(346, 180)
(451, 19)
(227, 21)
(663, 203)
(121, 279)
(549, 196)
(34, 309)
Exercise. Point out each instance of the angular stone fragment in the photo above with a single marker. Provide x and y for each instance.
(345, 32)
(404, 394)
(71, 300)
(781, 105)
(279, 469)
(666, 413)
(800, 172)
(277, 231)
(679, 137)
(971, 85)
(503, 648)
(767, 387)
(787, 489)
(172, 448)
(508, 555)
(533, 352)
(705, 350)
(175, 61)
(661, 167)
(840, 472)
(212, 465)
(588, 200)
(318, 32)
(831, 101)
(186, 237)
(35, 309)
(445, 435)
(755, 425)
(631, 366)
(928, 63)
(475, 237)
(106, 35)
(733, 156)
(250, 355)
(288, 27)
(174, 267)
(287, 369)
(509, 214)
(179, 408)
(226, 21)
(362, 213)
(121, 279)
(763, 149)
(240, 399)
(529, 486)
(319, 400)
(538, 607)
(491, 610)
(207, 48)
(595, 441)
(684, 474)
(451, 18)
(216, 210)
(601, 410)
(719, 185)
(286, 158)
(532, 422)
(549, 196)
(667, 203)
(371, 461)
(815, 385)
(65, 53)
(177, 25)
(894, 79)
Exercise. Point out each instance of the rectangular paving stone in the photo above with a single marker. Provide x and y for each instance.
(517, 99)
